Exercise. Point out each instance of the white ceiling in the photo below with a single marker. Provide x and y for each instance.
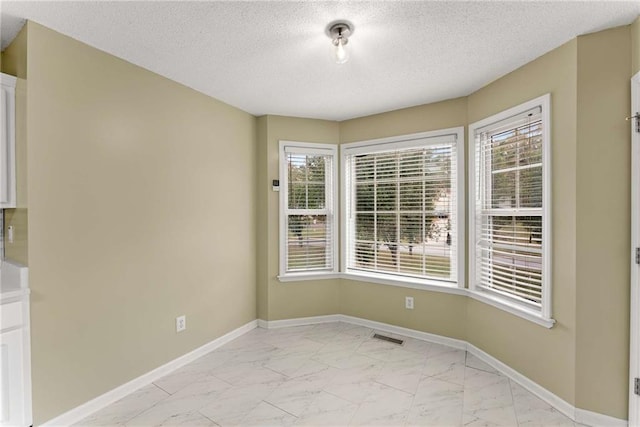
(273, 57)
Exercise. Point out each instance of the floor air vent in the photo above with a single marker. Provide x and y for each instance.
(389, 339)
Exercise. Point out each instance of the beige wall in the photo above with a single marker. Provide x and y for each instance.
(545, 355)
(440, 115)
(603, 222)
(283, 300)
(434, 312)
(263, 215)
(141, 208)
(635, 46)
(14, 57)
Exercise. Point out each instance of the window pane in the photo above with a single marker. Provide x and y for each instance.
(411, 196)
(409, 193)
(365, 228)
(516, 274)
(387, 241)
(364, 244)
(386, 166)
(306, 175)
(387, 228)
(411, 164)
(531, 187)
(364, 197)
(316, 169)
(503, 151)
(503, 191)
(411, 251)
(530, 145)
(386, 196)
(364, 168)
(523, 231)
(364, 254)
(411, 228)
(297, 167)
(509, 248)
(315, 196)
(308, 241)
(297, 196)
(516, 168)
(308, 238)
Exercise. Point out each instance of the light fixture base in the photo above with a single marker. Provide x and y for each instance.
(339, 28)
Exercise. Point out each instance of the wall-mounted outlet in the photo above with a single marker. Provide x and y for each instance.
(181, 323)
(408, 303)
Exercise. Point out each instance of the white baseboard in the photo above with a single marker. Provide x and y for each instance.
(533, 387)
(595, 419)
(579, 415)
(79, 413)
(411, 333)
(384, 327)
(300, 321)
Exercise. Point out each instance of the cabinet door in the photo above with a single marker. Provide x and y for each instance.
(11, 379)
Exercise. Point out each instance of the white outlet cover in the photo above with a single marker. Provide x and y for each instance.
(181, 323)
(408, 303)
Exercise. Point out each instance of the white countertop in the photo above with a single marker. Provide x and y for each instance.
(14, 281)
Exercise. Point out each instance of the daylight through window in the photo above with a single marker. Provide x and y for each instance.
(510, 199)
(308, 208)
(402, 208)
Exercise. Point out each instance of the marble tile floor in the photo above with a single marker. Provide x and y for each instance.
(332, 374)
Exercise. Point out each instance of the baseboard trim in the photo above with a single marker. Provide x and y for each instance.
(595, 419)
(411, 333)
(79, 413)
(579, 415)
(557, 402)
(300, 321)
(384, 327)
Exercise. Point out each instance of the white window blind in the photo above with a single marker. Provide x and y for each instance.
(308, 210)
(510, 201)
(401, 208)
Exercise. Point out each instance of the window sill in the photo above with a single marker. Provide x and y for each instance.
(422, 284)
(382, 279)
(512, 308)
(300, 277)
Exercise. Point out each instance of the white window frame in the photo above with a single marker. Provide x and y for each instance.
(544, 316)
(331, 198)
(394, 143)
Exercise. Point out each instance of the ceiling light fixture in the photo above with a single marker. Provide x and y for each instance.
(339, 31)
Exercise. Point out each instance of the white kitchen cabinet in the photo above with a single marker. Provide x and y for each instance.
(7, 141)
(15, 349)
(10, 377)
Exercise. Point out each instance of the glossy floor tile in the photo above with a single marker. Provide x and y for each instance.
(332, 374)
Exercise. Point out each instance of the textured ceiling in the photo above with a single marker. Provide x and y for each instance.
(272, 57)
